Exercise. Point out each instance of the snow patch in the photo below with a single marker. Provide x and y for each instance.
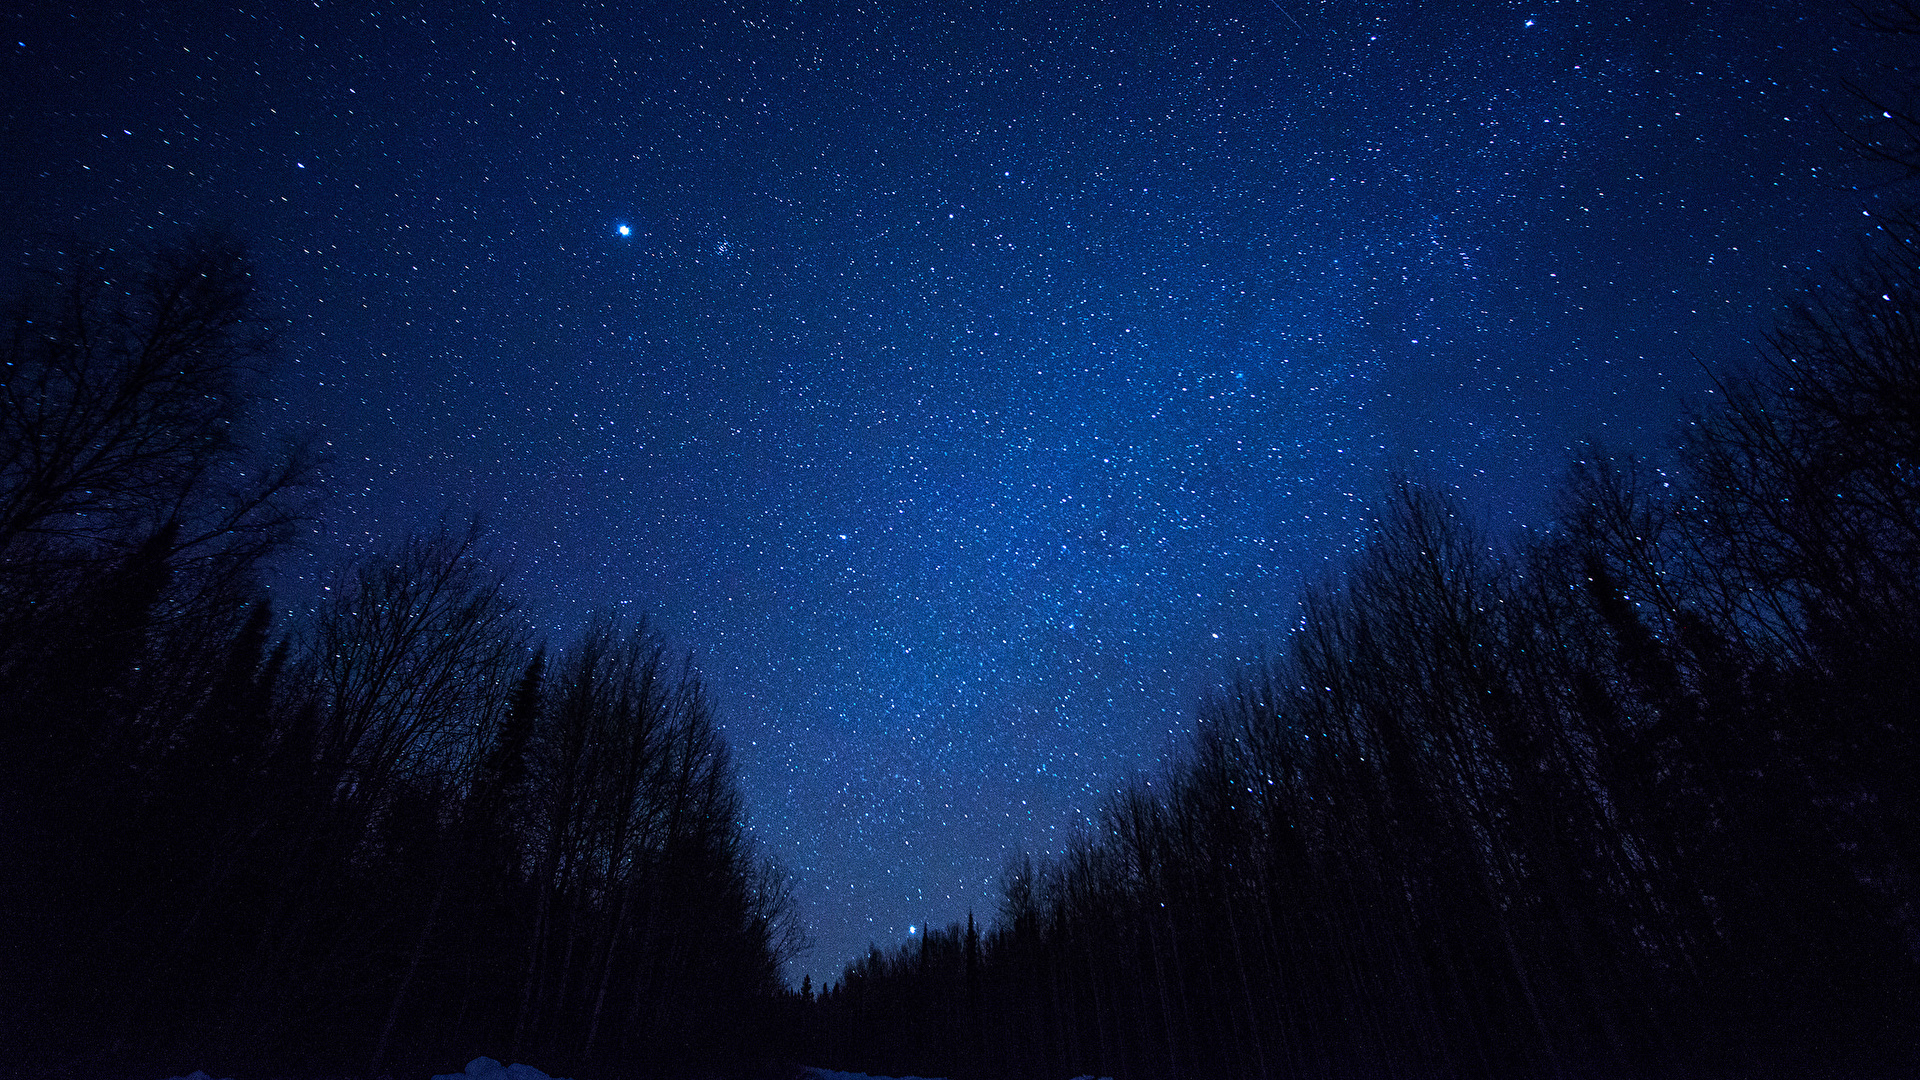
(485, 1068)
(831, 1074)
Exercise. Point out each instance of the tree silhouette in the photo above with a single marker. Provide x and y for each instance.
(339, 850)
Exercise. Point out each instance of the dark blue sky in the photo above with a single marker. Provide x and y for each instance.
(974, 385)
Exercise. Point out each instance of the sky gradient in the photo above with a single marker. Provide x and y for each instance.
(971, 387)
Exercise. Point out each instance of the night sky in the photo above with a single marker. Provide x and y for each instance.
(970, 386)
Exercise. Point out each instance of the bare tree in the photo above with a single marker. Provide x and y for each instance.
(123, 386)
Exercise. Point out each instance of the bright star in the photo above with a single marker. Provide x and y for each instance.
(624, 229)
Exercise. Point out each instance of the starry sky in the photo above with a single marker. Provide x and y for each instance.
(971, 386)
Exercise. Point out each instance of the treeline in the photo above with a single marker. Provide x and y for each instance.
(384, 836)
(1635, 794)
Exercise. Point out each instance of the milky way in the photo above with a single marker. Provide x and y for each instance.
(971, 388)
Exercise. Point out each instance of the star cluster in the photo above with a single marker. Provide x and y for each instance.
(970, 386)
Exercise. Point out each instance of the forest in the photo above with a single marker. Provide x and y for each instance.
(1631, 793)
(1634, 792)
(1628, 794)
(339, 842)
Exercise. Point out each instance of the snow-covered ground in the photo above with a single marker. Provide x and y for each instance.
(480, 1068)
(485, 1068)
(829, 1074)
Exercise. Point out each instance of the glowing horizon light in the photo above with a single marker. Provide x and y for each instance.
(624, 229)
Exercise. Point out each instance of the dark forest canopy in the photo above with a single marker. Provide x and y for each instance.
(370, 838)
(1630, 795)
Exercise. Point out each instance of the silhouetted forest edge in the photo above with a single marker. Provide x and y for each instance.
(370, 837)
(1632, 793)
